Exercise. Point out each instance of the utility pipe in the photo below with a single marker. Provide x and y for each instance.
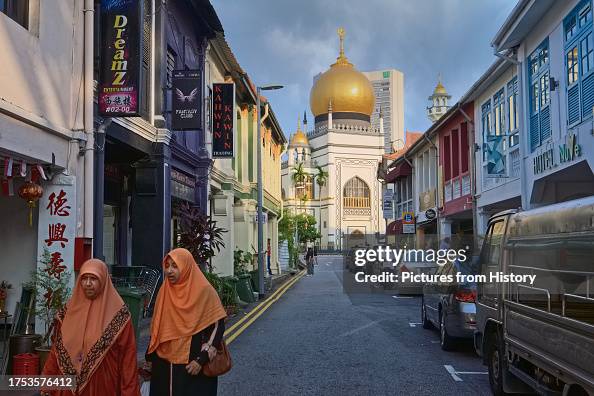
(88, 11)
(471, 154)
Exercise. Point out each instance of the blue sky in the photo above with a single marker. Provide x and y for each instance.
(287, 42)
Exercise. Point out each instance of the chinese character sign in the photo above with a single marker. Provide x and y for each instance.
(57, 225)
(120, 58)
(223, 96)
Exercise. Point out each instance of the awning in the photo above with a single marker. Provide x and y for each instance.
(403, 169)
(394, 228)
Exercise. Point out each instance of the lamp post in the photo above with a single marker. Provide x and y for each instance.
(261, 190)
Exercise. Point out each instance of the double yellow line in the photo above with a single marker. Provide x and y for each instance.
(231, 333)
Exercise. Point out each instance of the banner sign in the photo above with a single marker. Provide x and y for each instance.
(223, 96)
(120, 58)
(388, 204)
(186, 100)
(495, 156)
(408, 223)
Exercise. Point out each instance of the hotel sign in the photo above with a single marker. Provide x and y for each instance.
(120, 58)
(223, 96)
(568, 151)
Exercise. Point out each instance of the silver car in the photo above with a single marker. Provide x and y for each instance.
(450, 307)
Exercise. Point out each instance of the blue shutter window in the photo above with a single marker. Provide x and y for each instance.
(486, 124)
(539, 92)
(579, 62)
(512, 111)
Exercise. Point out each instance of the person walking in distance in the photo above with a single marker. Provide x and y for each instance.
(268, 254)
(309, 260)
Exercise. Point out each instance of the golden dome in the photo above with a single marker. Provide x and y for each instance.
(439, 89)
(299, 138)
(342, 86)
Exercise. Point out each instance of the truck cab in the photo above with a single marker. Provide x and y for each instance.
(539, 336)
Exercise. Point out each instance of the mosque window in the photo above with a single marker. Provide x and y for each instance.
(356, 194)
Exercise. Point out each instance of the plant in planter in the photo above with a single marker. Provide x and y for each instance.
(240, 261)
(224, 290)
(200, 235)
(4, 287)
(50, 288)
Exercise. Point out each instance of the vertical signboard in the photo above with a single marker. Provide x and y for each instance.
(57, 228)
(223, 96)
(495, 156)
(186, 100)
(121, 42)
(388, 204)
(408, 223)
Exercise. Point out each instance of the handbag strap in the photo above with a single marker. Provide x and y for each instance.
(214, 332)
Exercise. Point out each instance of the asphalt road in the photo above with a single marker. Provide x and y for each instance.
(318, 340)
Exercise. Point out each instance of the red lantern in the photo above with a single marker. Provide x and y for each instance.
(30, 192)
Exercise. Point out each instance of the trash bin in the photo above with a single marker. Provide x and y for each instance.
(134, 299)
(233, 280)
(244, 288)
(255, 280)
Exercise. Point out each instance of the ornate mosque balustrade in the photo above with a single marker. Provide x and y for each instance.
(344, 128)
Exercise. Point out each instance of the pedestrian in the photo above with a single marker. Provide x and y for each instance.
(187, 327)
(268, 254)
(445, 243)
(309, 259)
(93, 338)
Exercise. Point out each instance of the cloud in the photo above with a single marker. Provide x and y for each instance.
(288, 42)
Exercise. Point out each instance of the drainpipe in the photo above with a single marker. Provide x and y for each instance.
(88, 10)
(436, 181)
(99, 189)
(472, 158)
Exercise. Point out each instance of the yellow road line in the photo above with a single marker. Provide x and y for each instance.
(253, 311)
(230, 339)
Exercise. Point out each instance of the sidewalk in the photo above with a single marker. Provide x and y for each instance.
(272, 284)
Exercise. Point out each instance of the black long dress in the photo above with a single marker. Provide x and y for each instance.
(184, 384)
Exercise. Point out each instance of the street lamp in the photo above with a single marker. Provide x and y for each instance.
(260, 190)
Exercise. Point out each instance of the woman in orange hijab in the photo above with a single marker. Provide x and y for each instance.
(94, 338)
(188, 314)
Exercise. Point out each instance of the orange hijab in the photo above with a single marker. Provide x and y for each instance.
(183, 309)
(86, 320)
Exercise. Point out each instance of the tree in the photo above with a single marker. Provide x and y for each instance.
(286, 232)
(306, 228)
(321, 180)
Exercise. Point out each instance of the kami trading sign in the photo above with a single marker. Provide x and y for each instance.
(186, 100)
(120, 58)
(223, 96)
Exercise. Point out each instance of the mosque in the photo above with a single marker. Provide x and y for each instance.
(344, 147)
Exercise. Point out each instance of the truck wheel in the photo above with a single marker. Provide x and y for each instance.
(445, 341)
(426, 323)
(497, 364)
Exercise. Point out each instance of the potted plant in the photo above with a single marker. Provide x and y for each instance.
(4, 287)
(49, 285)
(200, 235)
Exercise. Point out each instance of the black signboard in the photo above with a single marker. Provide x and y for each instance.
(222, 120)
(186, 100)
(121, 22)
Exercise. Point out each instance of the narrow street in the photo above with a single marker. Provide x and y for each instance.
(317, 340)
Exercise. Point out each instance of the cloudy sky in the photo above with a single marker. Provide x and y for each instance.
(287, 42)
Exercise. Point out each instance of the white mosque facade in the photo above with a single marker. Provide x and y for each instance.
(343, 143)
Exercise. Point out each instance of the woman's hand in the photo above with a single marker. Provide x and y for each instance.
(193, 368)
(212, 351)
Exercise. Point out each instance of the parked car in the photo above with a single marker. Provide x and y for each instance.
(450, 306)
(417, 267)
(539, 336)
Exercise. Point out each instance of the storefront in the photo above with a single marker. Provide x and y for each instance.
(135, 227)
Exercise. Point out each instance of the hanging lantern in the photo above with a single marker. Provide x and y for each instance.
(30, 192)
